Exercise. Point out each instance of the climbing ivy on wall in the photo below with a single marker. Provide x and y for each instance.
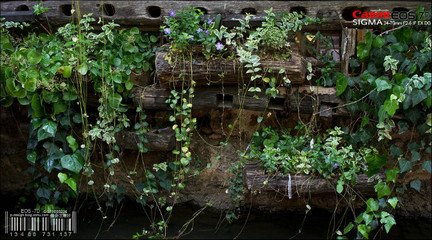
(52, 74)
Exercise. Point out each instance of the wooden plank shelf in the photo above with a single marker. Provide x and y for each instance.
(154, 98)
(254, 177)
(149, 14)
(223, 72)
(158, 140)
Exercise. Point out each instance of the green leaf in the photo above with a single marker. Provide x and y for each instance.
(375, 162)
(72, 143)
(47, 130)
(117, 62)
(38, 109)
(382, 189)
(259, 119)
(67, 71)
(417, 96)
(415, 156)
(395, 151)
(348, 228)
(33, 56)
(71, 183)
(393, 201)
(43, 193)
(31, 157)
(389, 223)
(400, 78)
(382, 84)
(82, 69)
(129, 85)
(30, 85)
(339, 187)
(416, 184)
(70, 95)
(114, 100)
(367, 217)
(184, 161)
(378, 42)
(367, 76)
(341, 84)
(365, 121)
(372, 205)
(362, 51)
(153, 39)
(59, 107)
(62, 177)
(427, 166)
(72, 162)
(364, 230)
(390, 106)
(404, 165)
(51, 148)
(403, 126)
(392, 174)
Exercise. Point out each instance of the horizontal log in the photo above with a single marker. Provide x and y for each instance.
(158, 140)
(211, 97)
(223, 72)
(255, 176)
(322, 101)
(150, 14)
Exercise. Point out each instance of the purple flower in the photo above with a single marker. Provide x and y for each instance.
(191, 38)
(335, 165)
(209, 21)
(219, 46)
(172, 13)
(206, 32)
(167, 31)
(199, 30)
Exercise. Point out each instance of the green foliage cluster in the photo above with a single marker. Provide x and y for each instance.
(50, 73)
(328, 157)
(396, 79)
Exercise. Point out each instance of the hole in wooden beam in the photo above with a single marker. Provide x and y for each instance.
(277, 103)
(203, 10)
(298, 9)
(108, 9)
(22, 8)
(224, 100)
(400, 9)
(66, 9)
(154, 11)
(248, 10)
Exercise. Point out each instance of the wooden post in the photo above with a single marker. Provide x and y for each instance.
(348, 48)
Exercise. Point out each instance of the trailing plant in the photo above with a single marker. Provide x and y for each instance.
(50, 73)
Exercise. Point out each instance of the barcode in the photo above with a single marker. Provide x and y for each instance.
(40, 223)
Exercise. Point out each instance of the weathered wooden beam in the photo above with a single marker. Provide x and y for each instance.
(158, 140)
(298, 98)
(255, 176)
(150, 14)
(223, 72)
(212, 97)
